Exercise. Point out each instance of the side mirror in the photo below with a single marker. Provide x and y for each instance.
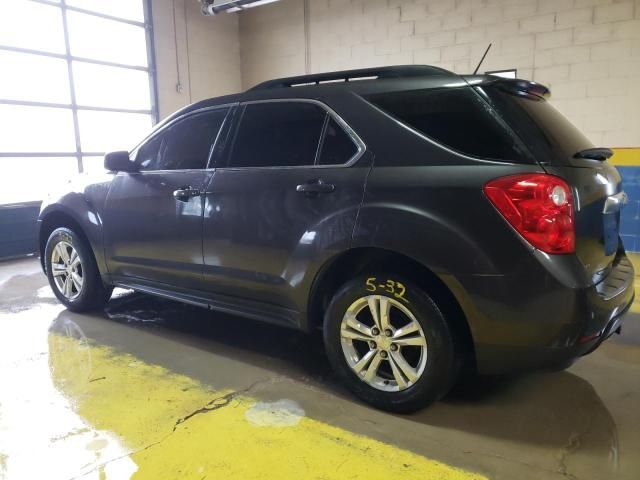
(119, 162)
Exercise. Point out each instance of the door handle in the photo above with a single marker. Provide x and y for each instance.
(315, 187)
(185, 193)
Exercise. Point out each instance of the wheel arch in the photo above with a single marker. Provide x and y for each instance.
(52, 220)
(356, 261)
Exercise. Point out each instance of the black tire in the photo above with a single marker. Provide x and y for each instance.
(442, 365)
(94, 294)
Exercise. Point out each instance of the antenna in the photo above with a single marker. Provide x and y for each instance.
(482, 59)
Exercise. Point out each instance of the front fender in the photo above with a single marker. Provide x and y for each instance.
(83, 202)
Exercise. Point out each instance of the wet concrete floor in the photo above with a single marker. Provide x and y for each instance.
(150, 388)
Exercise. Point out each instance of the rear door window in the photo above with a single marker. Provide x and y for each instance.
(278, 134)
(457, 118)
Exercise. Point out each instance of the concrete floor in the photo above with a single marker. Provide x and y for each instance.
(154, 389)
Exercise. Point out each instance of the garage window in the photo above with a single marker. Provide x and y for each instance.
(76, 83)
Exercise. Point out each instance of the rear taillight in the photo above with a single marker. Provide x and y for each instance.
(539, 207)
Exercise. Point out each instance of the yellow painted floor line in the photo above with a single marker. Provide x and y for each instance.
(171, 427)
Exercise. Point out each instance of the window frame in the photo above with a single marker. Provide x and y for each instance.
(230, 107)
(323, 139)
(355, 138)
(78, 153)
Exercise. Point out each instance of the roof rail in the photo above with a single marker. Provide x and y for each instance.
(400, 71)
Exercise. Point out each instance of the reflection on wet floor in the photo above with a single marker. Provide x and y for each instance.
(120, 380)
(241, 337)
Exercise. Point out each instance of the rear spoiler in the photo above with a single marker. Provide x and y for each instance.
(517, 85)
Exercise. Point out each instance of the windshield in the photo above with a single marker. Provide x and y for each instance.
(550, 136)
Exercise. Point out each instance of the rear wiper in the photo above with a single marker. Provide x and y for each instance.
(594, 153)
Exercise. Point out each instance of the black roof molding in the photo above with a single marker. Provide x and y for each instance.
(400, 71)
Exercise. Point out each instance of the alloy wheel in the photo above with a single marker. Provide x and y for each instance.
(67, 271)
(383, 343)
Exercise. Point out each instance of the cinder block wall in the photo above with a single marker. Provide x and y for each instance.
(202, 53)
(586, 51)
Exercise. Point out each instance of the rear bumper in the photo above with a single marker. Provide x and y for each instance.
(500, 359)
(533, 320)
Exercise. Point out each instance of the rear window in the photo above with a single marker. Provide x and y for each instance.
(455, 117)
(549, 134)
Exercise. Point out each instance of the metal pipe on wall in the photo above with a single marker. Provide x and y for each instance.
(307, 37)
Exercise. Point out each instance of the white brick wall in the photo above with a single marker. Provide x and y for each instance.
(587, 51)
(198, 63)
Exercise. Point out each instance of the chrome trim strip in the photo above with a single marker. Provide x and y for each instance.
(614, 203)
(162, 127)
(323, 132)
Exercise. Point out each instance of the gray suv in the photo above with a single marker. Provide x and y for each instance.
(425, 222)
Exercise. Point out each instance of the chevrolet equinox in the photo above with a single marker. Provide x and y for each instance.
(424, 221)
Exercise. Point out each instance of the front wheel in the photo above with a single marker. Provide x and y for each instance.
(390, 343)
(72, 272)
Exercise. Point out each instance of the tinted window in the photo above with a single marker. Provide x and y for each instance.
(185, 145)
(337, 146)
(458, 118)
(539, 123)
(278, 134)
(148, 155)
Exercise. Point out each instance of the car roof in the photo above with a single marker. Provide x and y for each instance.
(366, 81)
(327, 84)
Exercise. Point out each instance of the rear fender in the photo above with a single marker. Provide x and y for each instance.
(315, 248)
(443, 246)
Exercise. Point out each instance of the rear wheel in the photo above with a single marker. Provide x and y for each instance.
(390, 343)
(72, 272)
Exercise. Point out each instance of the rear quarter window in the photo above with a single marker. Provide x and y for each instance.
(457, 118)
